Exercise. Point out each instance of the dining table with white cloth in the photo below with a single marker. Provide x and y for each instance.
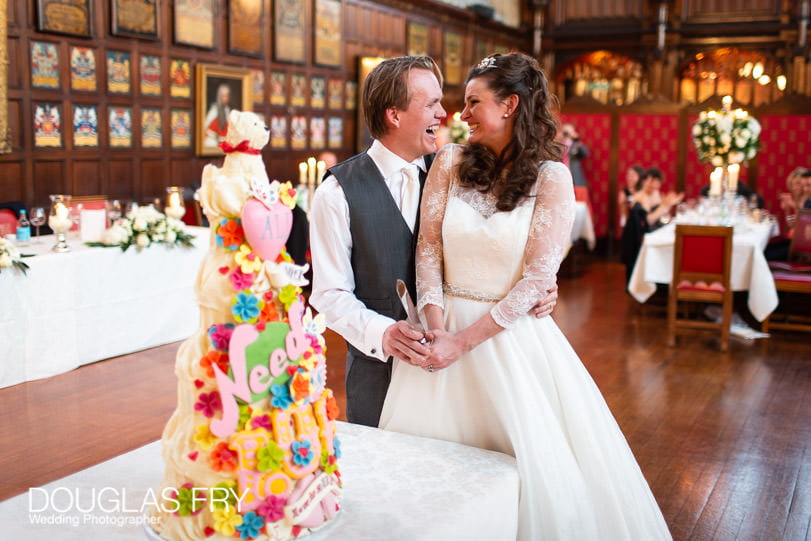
(583, 225)
(749, 268)
(93, 303)
(396, 487)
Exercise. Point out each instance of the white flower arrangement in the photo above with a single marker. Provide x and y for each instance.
(458, 131)
(145, 226)
(726, 137)
(10, 256)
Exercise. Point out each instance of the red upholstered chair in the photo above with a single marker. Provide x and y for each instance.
(701, 270)
(794, 275)
(8, 222)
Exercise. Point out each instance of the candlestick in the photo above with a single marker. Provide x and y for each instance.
(302, 173)
(715, 181)
(733, 171)
(321, 167)
(311, 171)
(174, 203)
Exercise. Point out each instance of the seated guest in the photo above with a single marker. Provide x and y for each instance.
(790, 201)
(645, 215)
(625, 198)
(805, 182)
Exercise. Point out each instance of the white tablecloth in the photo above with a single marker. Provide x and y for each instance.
(90, 304)
(583, 226)
(750, 271)
(396, 487)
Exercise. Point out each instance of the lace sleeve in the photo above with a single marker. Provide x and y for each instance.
(429, 244)
(549, 238)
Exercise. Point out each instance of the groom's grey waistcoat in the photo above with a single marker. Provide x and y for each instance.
(382, 251)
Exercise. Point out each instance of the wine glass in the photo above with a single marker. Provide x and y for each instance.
(132, 206)
(76, 217)
(114, 210)
(38, 217)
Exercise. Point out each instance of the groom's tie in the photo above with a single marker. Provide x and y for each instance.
(410, 194)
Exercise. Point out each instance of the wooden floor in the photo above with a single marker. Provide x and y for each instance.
(724, 439)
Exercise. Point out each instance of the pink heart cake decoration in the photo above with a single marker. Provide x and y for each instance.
(266, 228)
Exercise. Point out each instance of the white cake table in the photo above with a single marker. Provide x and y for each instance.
(91, 304)
(396, 487)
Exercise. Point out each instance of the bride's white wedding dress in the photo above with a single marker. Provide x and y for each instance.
(523, 392)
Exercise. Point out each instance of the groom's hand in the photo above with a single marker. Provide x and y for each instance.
(547, 304)
(403, 342)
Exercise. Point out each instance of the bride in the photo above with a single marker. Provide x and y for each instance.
(496, 218)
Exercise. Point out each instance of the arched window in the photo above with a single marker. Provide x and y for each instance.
(607, 77)
(752, 78)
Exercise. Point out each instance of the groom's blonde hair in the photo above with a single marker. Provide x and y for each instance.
(387, 86)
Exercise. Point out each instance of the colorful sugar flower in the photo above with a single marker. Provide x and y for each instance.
(248, 260)
(222, 458)
(208, 403)
(281, 396)
(226, 520)
(302, 454)
(269, 457)
(251, 525)
(220, 335)
(246, 307)
(272, 508)
(204, 438)
(230, 234)
(240, 280)
(212, 358)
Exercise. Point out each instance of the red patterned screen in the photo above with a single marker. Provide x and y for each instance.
(649, 141)
(595, 132)
(785, 143)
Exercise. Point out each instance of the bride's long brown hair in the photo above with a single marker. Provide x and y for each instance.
(513, 172)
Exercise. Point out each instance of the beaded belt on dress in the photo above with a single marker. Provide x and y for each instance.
(456, 291)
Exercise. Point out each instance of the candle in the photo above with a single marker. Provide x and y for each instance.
(320, 166)
(715, 181)
(726, 101)
(311, 171)
(302, 173)
(733, 170)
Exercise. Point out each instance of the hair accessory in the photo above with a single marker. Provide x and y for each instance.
(487, 63)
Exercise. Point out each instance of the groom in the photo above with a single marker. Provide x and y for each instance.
(363, 231)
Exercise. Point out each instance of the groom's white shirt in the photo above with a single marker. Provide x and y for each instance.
(333, 292)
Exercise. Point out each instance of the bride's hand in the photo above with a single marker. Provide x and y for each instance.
(446, 348)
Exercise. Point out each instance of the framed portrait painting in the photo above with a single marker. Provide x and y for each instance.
(327, 30)
(194, 23)
(151, 128)
(72, 17)
(135, 18)
(218, 90)
(244, 18)
(289, 29)
(278, 88)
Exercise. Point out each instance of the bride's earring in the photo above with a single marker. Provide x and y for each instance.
(506, 115)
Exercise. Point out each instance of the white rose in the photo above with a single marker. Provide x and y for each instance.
(717, 161)
(139, 224)
(740, 142)
(696, 130)
(114, 236)
(142, 240)
(750, 154)
(736, 157)
(725, 139)
(171, 237)
(5, 261)
(702, 115)
(157, 237)
(746, 133)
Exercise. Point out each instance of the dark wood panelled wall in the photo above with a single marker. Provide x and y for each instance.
(30, 174)
(659, 41)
